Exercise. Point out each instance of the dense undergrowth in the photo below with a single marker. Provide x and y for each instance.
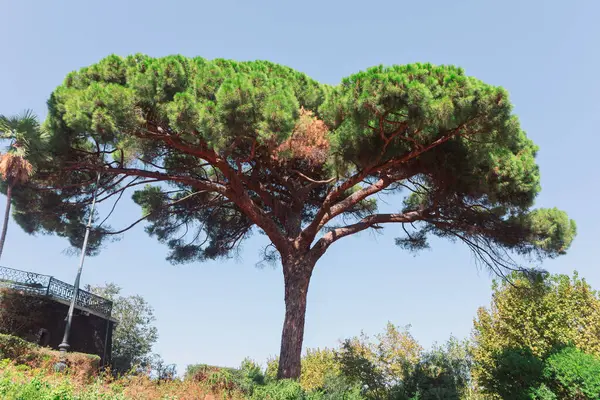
(26, 373)
(539, 340)
(22, 382)
(339, 374)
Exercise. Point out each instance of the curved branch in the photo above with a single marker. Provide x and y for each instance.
(368, 222)
(325, 182)
(149, 214)
(114, 206)
(195, 183)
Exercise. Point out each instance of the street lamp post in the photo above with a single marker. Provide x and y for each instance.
(64, 346)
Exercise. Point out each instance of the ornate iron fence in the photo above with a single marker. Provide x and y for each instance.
(49, 286)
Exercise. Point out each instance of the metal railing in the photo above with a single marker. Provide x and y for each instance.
(49, 286)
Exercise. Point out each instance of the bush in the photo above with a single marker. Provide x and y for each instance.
(227, 380)
(217, 378)
(338, 387)
(21, 313)
(317, 364)
(17, 349)
(573, 374)
(252, 372)
(516, 374)
(200, 372)
(543, 393)
(20, 351)
(566, 374)
(271, 370)
(280, 390)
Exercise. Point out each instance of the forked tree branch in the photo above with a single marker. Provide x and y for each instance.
(358, 196)
(333, 198)
(368, 222)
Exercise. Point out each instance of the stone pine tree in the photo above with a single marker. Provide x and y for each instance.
(220, 149)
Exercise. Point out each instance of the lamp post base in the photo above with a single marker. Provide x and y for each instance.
(61, 365)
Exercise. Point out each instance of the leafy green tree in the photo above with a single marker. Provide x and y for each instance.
(444, 372)
(228, 148)
(252, 371)
(317, 365)
(135, 333)
(26, 141)
(527, 321)
(516, 374)
(271, 369)
(382, 365)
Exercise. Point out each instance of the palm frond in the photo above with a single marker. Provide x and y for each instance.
(27, 121)
(26, 135)
(27, 144)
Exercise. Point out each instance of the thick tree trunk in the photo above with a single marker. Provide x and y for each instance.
(6, 218)
(296, 274)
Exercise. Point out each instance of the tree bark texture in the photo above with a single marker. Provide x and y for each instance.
(6, 218)
(297, 275)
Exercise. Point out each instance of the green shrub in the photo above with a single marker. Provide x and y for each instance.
(16, 349)
(251, 371)
(21, 313)
(543, 393)
(317, 364)
(26, 355)
(565, 374)
(573, 374)
(271, 370)
(516, 373)
(221, 379)
(201, 372)
(337, 387)
(280, 390)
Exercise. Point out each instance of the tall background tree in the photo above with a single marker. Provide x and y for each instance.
(528, 322)
(135, 333)
(382, 366)
(443, 372)
(25, 142)
(221, 149)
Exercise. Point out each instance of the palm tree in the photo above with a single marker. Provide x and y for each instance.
(26, 139)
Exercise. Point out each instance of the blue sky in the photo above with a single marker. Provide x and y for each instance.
(544, 52)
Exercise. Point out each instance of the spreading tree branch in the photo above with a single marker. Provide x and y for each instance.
(234, 189)
(368, 222)
(310, 232)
